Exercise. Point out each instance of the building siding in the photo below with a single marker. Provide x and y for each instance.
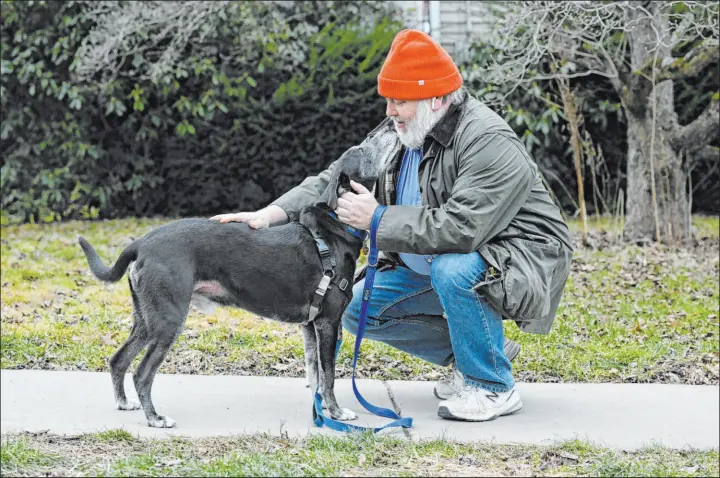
(460, 22)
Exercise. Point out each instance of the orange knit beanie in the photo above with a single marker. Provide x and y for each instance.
(417, 68)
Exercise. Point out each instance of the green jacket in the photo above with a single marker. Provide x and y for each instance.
(481, 191)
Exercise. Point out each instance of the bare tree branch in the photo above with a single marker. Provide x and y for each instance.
(709, 154)
(698, 134)
(591, 38)
(631, 43)
(690, 65)
(155, 40)
(154, 34)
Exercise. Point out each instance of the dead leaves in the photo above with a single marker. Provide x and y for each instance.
(555, 459)
(293, 366)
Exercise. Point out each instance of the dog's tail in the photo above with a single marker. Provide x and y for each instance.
(100, 270)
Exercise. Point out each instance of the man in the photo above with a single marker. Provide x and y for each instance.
(470, 234)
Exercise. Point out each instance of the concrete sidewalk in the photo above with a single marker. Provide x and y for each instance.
(626, 416)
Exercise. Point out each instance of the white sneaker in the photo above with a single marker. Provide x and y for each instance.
(445, 389)
(478, 405)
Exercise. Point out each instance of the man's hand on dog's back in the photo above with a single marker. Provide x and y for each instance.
(255, 219)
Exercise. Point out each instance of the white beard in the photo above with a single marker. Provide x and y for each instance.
(420, 125)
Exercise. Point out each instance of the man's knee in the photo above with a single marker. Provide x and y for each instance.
(452, 271)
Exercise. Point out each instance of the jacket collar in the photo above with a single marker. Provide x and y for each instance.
(444, 130)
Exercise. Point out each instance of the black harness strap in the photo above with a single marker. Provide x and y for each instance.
(328, 262)
(328, 265)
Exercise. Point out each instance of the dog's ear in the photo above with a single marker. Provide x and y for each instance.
(352, 164)
(344, 166)
(329, 196)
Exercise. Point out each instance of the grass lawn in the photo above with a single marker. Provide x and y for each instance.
(629, 314)
(118, 453)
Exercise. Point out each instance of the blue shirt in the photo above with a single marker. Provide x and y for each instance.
(408, 194)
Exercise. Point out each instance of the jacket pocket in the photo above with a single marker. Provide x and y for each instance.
(523, 275)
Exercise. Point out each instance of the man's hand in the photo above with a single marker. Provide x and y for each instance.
(357, 210)
(256, 220)
(261, 219)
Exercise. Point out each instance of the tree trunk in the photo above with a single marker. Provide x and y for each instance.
(660, 207)
(670, 184)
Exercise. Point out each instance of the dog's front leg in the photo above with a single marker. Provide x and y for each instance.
(311, 356)
(327, 335)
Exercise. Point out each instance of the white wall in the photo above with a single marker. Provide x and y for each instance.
(452, 23)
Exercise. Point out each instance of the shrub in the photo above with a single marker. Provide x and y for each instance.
(238, 121)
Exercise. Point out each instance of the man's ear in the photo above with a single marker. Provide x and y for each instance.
(438, 105)
(433, 104)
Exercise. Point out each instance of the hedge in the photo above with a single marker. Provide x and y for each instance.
(218, 135)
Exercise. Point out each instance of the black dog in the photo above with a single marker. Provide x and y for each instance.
(272, 272)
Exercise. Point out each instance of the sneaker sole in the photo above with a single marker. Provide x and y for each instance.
(443, 412)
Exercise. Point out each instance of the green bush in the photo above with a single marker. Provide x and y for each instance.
(231, 127)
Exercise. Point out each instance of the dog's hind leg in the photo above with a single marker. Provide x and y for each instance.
(121, 361)
(327, 335)
(165, 320)
(145, 375)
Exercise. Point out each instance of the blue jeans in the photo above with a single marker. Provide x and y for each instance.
(406, 312)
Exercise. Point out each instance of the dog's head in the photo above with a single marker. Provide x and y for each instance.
(363, 164)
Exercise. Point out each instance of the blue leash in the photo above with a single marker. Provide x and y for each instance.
(318, 417)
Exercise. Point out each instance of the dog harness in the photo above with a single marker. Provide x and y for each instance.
(328, 265)
(319, 419)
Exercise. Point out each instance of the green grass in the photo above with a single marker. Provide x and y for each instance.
(18, 455)
(704, 226)
(629, 314)
(707, 226)
(360, 455)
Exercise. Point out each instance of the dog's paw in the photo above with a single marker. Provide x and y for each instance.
(345, 415)
(128, 405)
(161, 422)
